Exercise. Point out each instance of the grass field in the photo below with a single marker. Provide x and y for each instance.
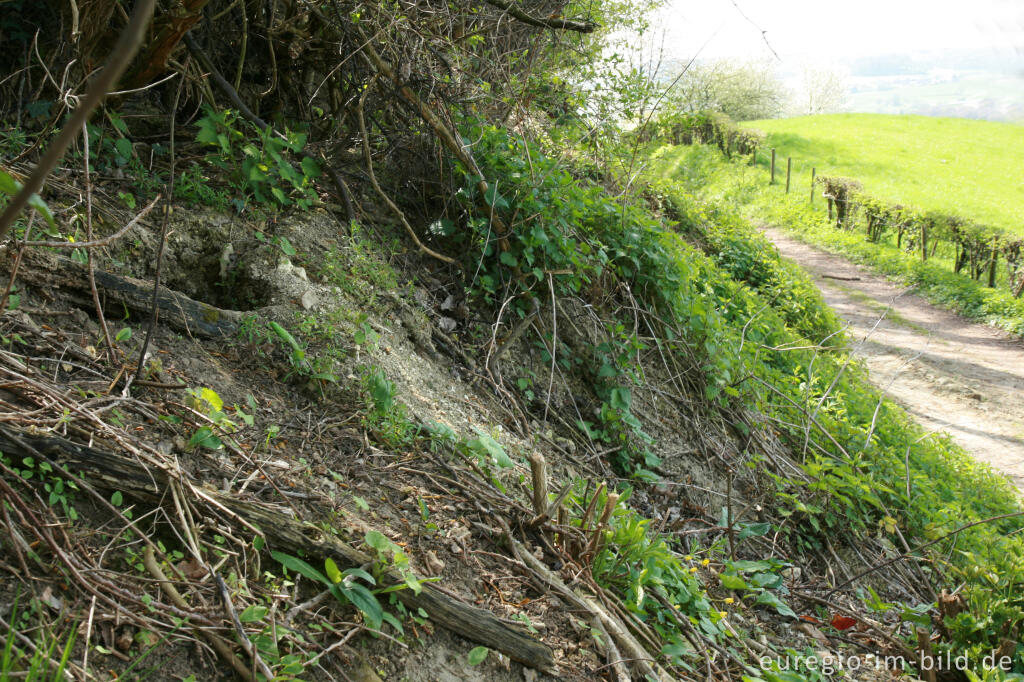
(970, 168)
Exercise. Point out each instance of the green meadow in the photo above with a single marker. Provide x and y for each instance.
(974, 169)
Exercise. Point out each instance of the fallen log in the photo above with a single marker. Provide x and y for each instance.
(46, 270)
(109, 471)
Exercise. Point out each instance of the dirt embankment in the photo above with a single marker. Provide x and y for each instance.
(952, 375)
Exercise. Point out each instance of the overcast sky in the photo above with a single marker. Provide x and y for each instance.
(801, 28)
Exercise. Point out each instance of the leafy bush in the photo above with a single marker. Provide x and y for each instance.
(258, 159)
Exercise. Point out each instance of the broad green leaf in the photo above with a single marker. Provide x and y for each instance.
(733, 582)
(477, 655)
(253, 613)
(379, 541)
(204, 437)
(752, 529)
(10, 186)
(285, 336)
(310, 168)
(332, 571)
(299, 566)
(620, 399)
(124, 147)
(769, 599)
(393, 622)
(280, 196)
(359, 573)
(484, 445)
(367, 603)
(210, 396)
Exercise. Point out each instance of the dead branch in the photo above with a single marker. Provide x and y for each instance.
(181, 312)
(380, 192)
(127, 45)
(555, 22)
(219, 645)
(110, 471)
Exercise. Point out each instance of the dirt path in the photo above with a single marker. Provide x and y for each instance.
(951, 374)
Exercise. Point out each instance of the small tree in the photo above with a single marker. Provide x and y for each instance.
(822, 91)
(743, 90)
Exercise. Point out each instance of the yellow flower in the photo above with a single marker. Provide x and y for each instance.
(705, 562)
(729, 600)
(693, 569)
(722, 614)
(689, 557)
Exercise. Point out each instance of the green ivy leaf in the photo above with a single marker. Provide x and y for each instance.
(204, 437)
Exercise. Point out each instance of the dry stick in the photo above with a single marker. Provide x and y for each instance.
(221, 647)
(376, 186)
(17, 263)
(104, 241)
(539, 469)
(555, 22)
(88, 634)
(627, 641)
(128, 44)
(730, 528)
(243, 639)
(510, 340)
(155, 305)
(611, 652)
(555, 508)
(907, 555)
(88, 235)
(594, 546)
(451, 141)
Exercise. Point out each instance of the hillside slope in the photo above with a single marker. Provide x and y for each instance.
(427, 391)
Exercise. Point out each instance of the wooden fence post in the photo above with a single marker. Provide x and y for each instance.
(992, 264)
(924, 242)
(789, 167)
(812, 185)
(772, 180)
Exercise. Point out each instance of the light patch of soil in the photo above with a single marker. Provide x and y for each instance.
(951, 374)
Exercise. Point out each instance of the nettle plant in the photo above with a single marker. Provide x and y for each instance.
(258, 159)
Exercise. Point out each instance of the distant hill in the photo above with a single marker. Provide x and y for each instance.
(966, 167)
